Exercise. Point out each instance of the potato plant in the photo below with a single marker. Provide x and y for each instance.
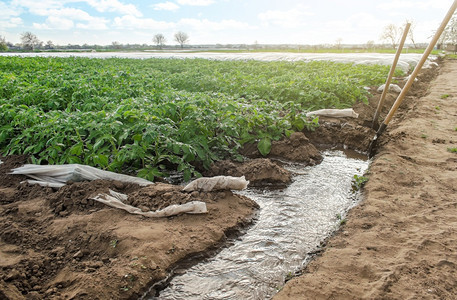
(149, 117)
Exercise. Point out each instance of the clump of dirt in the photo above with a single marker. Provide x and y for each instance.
(160, 195)
(9, 163)
(76, 196)
(342, 133)
(259, 171)
(295, 148)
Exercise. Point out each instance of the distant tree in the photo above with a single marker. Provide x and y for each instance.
(411, 34)
(338, 43)
(116, 45)
(30, 41)
(182, 38)
(449, 36)
(3, 44)
(391, 34)
(49, 45)
(370, 44)
(159, 40)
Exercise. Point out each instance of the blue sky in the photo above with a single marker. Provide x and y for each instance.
(216, 21)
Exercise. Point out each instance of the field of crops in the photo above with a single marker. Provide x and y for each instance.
(148, 117)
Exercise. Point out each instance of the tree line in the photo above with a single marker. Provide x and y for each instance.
(391, 34)
(30, 42)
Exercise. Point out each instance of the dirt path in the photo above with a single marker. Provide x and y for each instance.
(401, 242)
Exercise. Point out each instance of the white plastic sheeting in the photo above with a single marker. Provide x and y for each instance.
(116, 200)
(58, 175)
(207, 184)
(335, 113)
(392, 87)
(406, 62)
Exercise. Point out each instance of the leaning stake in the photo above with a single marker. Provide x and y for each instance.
(413, 76)
(389, 77)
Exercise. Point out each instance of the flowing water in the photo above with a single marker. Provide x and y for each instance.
(291, 224)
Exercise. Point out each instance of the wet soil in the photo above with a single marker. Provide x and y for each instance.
(400, 243)
(59, 244)
(259, 171)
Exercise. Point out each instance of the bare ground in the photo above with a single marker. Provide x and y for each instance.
(401, 242)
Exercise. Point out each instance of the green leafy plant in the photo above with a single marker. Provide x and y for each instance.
(452, 150)
(149, 117)
(113, 243)
(358, 182)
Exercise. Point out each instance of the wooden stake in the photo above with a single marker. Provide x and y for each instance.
(389, 77)
(413, 76)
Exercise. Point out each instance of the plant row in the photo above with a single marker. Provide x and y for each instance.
(147, 117)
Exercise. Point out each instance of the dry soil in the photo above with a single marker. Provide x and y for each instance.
(401, 242)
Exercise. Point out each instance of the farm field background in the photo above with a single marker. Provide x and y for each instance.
(148, 117)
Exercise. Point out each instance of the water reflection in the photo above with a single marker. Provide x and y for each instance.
(292, 223)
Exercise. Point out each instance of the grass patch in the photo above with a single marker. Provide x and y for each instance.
(452, 150)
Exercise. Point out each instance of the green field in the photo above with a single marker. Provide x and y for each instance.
(148, 117)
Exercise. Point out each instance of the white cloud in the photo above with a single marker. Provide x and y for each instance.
(7, 11)
(37, 7)
(114, 6)
(10, 23)
(63, 19)
(285, 18)
(9, 16)
(71, 13)
(196, 2)
(33, 5)
(207, 25)
(402, 4)
(132, 22)
(54, 22)
(165, 6)
(94, 24)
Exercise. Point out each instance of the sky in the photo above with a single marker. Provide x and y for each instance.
(308, 22)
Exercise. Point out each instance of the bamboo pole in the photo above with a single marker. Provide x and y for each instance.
(413, 76)
(389, 77)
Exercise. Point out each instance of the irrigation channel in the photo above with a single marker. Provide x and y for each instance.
(292, 223)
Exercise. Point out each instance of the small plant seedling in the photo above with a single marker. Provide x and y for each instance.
(172, 250)
(289, 276)
(338, 216)
(113, 243)
(424, 136)
(342, 222)
(452, 150)
(358, 182)
(437, 107)
(444, 96)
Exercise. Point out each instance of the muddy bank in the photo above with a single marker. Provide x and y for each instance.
(259, 172)
(400, 243)
(356, 134)
(59, 244)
